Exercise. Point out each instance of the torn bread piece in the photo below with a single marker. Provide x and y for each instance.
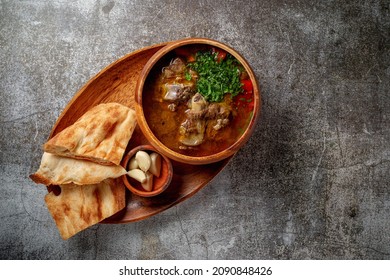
(58, 170)
(79, 207)
(100, 135)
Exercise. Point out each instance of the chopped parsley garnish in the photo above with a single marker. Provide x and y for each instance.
(216, 78)
(188, 76)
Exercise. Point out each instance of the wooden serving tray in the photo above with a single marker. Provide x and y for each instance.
(116, 83)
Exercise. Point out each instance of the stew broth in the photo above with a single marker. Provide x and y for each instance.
(168, 117)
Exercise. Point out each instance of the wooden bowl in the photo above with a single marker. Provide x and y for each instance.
(160, 183)
(162, 55)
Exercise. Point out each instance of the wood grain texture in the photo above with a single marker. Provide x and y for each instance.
(117, 83)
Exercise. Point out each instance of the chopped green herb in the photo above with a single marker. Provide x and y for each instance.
(188, 76)
(216, 78)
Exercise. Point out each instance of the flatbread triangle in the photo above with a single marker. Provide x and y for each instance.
(58, 170)
(100, 135)
(79, 207)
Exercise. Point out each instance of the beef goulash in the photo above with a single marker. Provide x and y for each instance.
(198, 100)
(83, 160)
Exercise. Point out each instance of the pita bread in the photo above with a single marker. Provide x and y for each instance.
(100, 135)
(79, 207)
(57, 170)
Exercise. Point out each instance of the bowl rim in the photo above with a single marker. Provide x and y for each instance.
(139, 192)
(160, 147)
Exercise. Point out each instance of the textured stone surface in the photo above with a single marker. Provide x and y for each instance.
(312, 182)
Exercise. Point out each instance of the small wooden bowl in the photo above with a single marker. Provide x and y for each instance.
(163, 53)
(160, 184)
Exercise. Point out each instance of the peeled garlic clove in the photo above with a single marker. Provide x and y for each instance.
(155, 166)
(138, 175)
(132, 164)
(143, 160)
(148, 184)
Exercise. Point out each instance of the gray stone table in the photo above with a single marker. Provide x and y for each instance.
(312, 182)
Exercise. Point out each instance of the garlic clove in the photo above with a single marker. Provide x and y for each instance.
(138, 175)
(155, 166)
(133, 164)
(148, 184)
(143, 160)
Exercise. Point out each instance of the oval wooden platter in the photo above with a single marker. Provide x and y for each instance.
(116, 83)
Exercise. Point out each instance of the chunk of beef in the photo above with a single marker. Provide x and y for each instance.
(192, 129)
(177, 92)
(175, 68)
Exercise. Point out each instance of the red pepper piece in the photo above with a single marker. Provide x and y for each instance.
(247, 85)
